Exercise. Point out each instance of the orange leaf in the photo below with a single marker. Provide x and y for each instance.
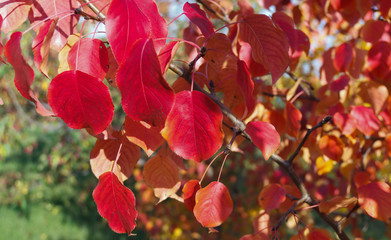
(337, 203)
(375, 199)
(213, 205)
(271, 196)
(160, 172)
(105, 152)
(331, 146)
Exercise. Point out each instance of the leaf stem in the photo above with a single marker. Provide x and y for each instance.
(207, 168)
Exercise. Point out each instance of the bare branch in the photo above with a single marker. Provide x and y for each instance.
(309, 131)
(100, 16)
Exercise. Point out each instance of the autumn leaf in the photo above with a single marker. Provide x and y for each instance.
(264, 136)
(336, 203)
(146, 95)
(115, 203)
(66, 25)
(143, 135)
(24, 74)
(366, 120)
(129, 20)
(197, 16)
(119, 151)
(81, 100)
(343, 57)
(41, 45)
(331, 146)
(375, 199)
(193, 127)
(89, 56)
(189, 192)
(213, 205)
(271, 196)
(269, 44)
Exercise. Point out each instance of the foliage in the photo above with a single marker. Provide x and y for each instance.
(295, 102)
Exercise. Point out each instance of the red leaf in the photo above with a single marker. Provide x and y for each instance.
(286, 23)
(378, 60)
(319, 234)
(293, 116)
(189, 193)
(213, 205)
(197, 16)
(105, 153)
(366, 119)
(246, 84)
(24, 74)
(375, 199)
(269, 44)
(340, 83)
(146, 96)
(264, 136)
(361, 178)
(129, 20)
(372, 30)
(67, 22)
(271, 196)
(41, 45)
(89, 56)
(116, 203)
(81, 101)
(14, 13)
(143, 135)
(166, 54)
(1, 45)
(345, 122)
(193, 127)
(343, 57)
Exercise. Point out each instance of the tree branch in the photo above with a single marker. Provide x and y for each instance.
(309, 131)
(100, 16)
(224, 17)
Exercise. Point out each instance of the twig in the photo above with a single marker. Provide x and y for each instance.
(100, 16)
(309, 131)
(344, 219)
(310, 97)
(224, 18)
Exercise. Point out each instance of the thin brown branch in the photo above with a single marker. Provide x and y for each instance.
(342, 221)
(305, 97)
(99, 15)
(309, 131)
(224, 17)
